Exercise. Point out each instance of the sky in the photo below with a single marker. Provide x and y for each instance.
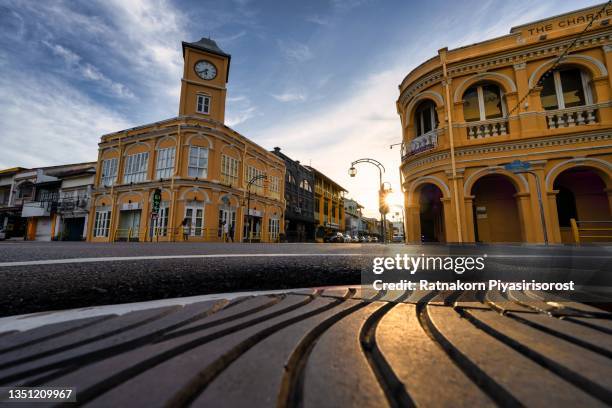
(317, 78)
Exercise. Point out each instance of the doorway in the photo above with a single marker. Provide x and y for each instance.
(129, 225)
(431, 214)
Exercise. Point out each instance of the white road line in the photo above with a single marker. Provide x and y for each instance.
(156, 257)
(203, 256)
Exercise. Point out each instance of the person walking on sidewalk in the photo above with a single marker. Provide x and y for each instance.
(230, 230)
(186, 228)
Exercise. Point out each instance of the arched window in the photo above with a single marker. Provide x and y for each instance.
(483, 102)
(305, 185)
(565, 88)
(290, 178)
(425, 117)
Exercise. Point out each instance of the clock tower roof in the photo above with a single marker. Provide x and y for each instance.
(207, 45)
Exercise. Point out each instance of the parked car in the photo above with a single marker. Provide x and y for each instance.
(2, 235)
(347, 238)
(363, 239)
(335, 237)
(355, 239)
(374, 239)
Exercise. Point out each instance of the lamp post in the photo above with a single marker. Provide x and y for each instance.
(251, 181)
(381, 170)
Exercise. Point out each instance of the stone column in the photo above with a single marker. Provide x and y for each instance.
(538, 168)
(413, 213)
(450, 224)
(605, 93)
(468, 205)
(523, 202)
(554, 236)
(609, 192)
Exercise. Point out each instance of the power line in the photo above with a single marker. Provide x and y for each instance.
(558, 60)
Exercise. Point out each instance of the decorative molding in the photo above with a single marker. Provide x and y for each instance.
(422, 180)
(536, 51)
(432, 95)
(579, 161)
(505, 80)
(494, 170)
(575, 58)
(520, 65)
(544, 142)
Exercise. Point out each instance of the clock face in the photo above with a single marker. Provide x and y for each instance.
(205, 70)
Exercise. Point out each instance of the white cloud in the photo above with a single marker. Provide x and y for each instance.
(289, 97)
(345, 132)
(240, 116)
(89, 72)
(315, 19)
(365, 123)
(295, 51)
(60, 125)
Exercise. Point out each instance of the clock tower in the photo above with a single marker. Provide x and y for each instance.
(205, 75)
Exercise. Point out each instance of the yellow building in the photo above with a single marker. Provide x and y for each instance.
(196, 168)
(328, 205)
(467, 113)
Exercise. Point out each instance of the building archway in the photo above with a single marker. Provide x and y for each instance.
(582, 195)
(496, 211)
(431, 214)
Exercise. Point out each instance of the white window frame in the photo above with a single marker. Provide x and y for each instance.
(421, 119)
(273, 228)
(203, 103)
(196, 170)
(481, 104)
(164, 167)
(102, 223)
(251, 172)
(229, 170)
(136, 168)
(274, 184)
(110, 169)
(161, 222)
(194, 218)
(588, 97)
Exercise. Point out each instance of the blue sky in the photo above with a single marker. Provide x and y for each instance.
(317, 78)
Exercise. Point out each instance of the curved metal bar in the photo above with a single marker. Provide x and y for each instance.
(371, 161)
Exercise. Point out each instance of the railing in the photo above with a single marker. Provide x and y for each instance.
(576, 116)
(592, 230)
(487, 128)
(420, 144)
(166, 234)
(69, 204)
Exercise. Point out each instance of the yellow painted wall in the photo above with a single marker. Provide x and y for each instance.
(514, 63)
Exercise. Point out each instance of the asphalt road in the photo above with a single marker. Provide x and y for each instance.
(40, 276)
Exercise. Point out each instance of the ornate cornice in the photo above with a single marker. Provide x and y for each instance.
(526, 144)
(506, 58)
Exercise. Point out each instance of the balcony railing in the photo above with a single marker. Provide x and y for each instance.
(576, 116)
(487, 128)
(420, 144)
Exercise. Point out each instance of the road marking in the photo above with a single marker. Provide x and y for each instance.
(204, 256)
(159, 257)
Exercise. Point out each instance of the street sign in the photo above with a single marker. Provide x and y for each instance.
(156, 201)
(518, 166)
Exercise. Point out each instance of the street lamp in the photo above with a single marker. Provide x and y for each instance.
(381, 170)
(251, 181)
